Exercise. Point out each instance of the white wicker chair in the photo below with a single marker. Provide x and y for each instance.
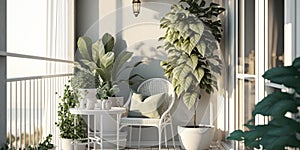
(151, 87)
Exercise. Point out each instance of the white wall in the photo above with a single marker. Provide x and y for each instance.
(140, 36)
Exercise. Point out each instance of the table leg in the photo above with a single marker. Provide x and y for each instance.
(88, 126)
(95, 120)
(118, 132)
(101, 131)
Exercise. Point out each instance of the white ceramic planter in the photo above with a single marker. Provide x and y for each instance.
(116, 101)
(195, 138)
(87, 93)
(66, 144)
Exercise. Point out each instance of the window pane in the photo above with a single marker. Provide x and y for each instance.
(246, 53)
(276, 33)
(246, 96)
(26, 27)
(22, 67)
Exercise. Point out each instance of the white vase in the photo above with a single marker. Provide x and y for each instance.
(98, 104)
(195, 138)
(87, 94)
(108, 105)
(90, 104)
(82, 103)
(66, 144)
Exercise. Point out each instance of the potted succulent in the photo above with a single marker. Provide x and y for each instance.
(69, 130)
(100, 59)
(281, 132)
(191, 38)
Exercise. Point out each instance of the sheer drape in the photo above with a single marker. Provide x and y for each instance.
(60, 45)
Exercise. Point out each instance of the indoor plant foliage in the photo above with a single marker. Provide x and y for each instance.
(281, 131)
(106, 90)
(65, 123)
(190, 40)
(84, 80)
(99, 58)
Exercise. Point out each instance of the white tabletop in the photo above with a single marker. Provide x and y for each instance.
(113, 110)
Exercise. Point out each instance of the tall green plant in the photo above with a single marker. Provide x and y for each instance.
(281, 131)
(69, 129)
(190, 40)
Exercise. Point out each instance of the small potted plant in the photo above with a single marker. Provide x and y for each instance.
(69, 130)
(191, 38)
(104, 91)
(84, 84)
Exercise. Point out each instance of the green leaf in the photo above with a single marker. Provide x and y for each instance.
(107, 59)
(121, 59)
(284, 121)
(189, 99)
(287, 76)
(199, 74)
(237, 135)
(90, 64)
(276, 104)
(187, 82)
(181, 71)
(194, 59)
(84, 45)
(198, 28)
(201, 48)
(277, 142)
(187, 47)
(296, 63)
(108, 41)
(98, 50)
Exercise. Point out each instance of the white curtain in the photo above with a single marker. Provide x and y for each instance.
(60, 45)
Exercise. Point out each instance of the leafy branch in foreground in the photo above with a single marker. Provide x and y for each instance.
(280, 132)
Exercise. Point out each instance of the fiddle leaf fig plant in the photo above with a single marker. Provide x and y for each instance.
(281, 131)
(99, 58)
(191, 40)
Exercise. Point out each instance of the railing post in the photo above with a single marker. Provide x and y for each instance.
(3, 126)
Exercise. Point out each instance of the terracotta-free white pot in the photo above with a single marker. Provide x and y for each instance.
(198, 138)
(66, 144)
(116, 101)
(90, 104)
(87, 94)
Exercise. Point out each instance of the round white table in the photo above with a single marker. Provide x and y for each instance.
(97, 137)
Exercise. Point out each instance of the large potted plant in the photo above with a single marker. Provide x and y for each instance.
(69, 130)
(281, 132)
(99, 58)
(191, 41)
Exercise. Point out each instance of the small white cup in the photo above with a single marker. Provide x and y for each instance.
(108, 105)
(98, 105)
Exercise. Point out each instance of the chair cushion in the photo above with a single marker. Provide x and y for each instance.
(150, 107)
